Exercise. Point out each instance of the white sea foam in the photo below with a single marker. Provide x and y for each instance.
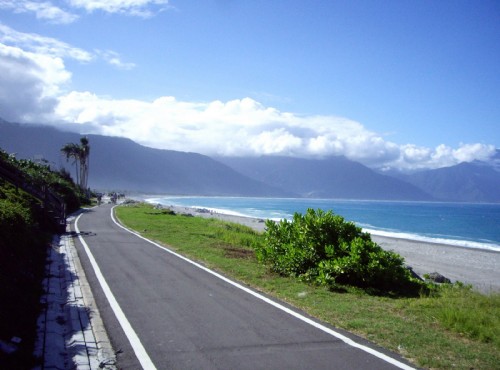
(428, 239)
(198, 207)
(220, 211)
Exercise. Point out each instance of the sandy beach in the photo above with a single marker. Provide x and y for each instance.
(480, 268)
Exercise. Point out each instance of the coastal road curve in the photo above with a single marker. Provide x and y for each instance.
(162, 311)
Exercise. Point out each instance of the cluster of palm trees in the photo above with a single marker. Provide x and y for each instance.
(80, 154)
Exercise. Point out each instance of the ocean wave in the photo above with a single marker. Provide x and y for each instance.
(429, 239)
(221, 211)
(194, 207)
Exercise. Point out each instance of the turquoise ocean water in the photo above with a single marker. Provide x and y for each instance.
(460, 224)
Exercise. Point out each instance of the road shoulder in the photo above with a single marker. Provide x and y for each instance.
(71, 332)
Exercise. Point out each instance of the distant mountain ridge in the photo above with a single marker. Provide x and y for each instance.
(466, 182)
(333, 177)
(121, 164)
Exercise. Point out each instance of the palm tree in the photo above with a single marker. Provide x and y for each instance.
(84, 162)
(72, 151)
(80, 155)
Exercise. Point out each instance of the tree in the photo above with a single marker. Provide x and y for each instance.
(80, 155)
(84, 161)
(71, 151)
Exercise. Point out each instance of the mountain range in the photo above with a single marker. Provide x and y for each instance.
(466, 182)
(124, 165)
(332, 177)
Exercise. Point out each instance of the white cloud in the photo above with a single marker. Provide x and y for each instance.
(245, 128)
(470, 152)
(42, 45)
(33, 73)
(276, 141)
(414, 157)
(140, 8)
(42, 9)
(114, 59)
(29, 84)
(49, 46)
(46, 10)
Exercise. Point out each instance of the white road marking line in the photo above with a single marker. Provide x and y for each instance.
(134, 340)
(297, 315)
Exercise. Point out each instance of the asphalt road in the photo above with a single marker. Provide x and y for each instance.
(184, 317)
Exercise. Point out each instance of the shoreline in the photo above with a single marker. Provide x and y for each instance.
(477, 267)
(455, 241)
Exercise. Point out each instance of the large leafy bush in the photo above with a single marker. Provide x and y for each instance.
(323, 248)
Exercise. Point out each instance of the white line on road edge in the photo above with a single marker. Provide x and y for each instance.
(342, 337)
(134, 340)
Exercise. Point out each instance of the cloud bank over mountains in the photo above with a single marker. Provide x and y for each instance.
(35, 87)
(244, 127)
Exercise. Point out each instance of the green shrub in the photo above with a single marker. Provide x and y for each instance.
(13, 214)
(323, 248)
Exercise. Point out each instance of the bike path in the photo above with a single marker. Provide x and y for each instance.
(186, 317)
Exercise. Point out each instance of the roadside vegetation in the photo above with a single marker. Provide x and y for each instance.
(27, 223)
(439, 327)
(324, 249)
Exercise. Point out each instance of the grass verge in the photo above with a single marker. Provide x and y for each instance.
(453, 328)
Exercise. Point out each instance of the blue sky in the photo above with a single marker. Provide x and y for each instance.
(403, 84)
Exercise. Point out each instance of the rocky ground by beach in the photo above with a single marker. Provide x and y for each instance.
(480, 268)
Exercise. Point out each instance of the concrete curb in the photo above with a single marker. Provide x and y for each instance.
(71, 334)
